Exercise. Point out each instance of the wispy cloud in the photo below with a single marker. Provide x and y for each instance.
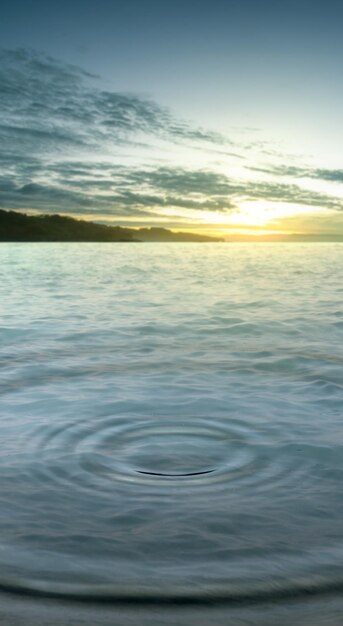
(68, 145)
(45, 100)
(331, 175)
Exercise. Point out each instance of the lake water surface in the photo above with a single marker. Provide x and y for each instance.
(171, 432)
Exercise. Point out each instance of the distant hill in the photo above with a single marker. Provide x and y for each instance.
(21, 227)
(15, 226)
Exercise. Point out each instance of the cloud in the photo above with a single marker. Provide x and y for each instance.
(68, 145)
(335, 176)
(82, 188)
(331, 175)
(292, 193)
(46, 100)
(126, 199)
(215, 191)
(49, 109)
(187, 181)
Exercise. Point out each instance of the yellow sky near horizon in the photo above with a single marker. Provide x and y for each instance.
(257, 218)
(251, 218)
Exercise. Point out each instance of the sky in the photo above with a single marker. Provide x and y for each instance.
(222, 117)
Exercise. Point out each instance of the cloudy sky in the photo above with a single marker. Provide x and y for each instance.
(220, 116)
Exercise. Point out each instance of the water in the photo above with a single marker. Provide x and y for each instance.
(171, 425)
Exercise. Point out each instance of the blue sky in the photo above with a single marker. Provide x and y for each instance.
(211, 116)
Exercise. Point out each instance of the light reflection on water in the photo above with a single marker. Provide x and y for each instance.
(171, 421)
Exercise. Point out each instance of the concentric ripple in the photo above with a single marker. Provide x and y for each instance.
(172, 508)
(159, 452)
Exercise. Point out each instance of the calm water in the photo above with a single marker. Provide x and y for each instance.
(171, 424)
